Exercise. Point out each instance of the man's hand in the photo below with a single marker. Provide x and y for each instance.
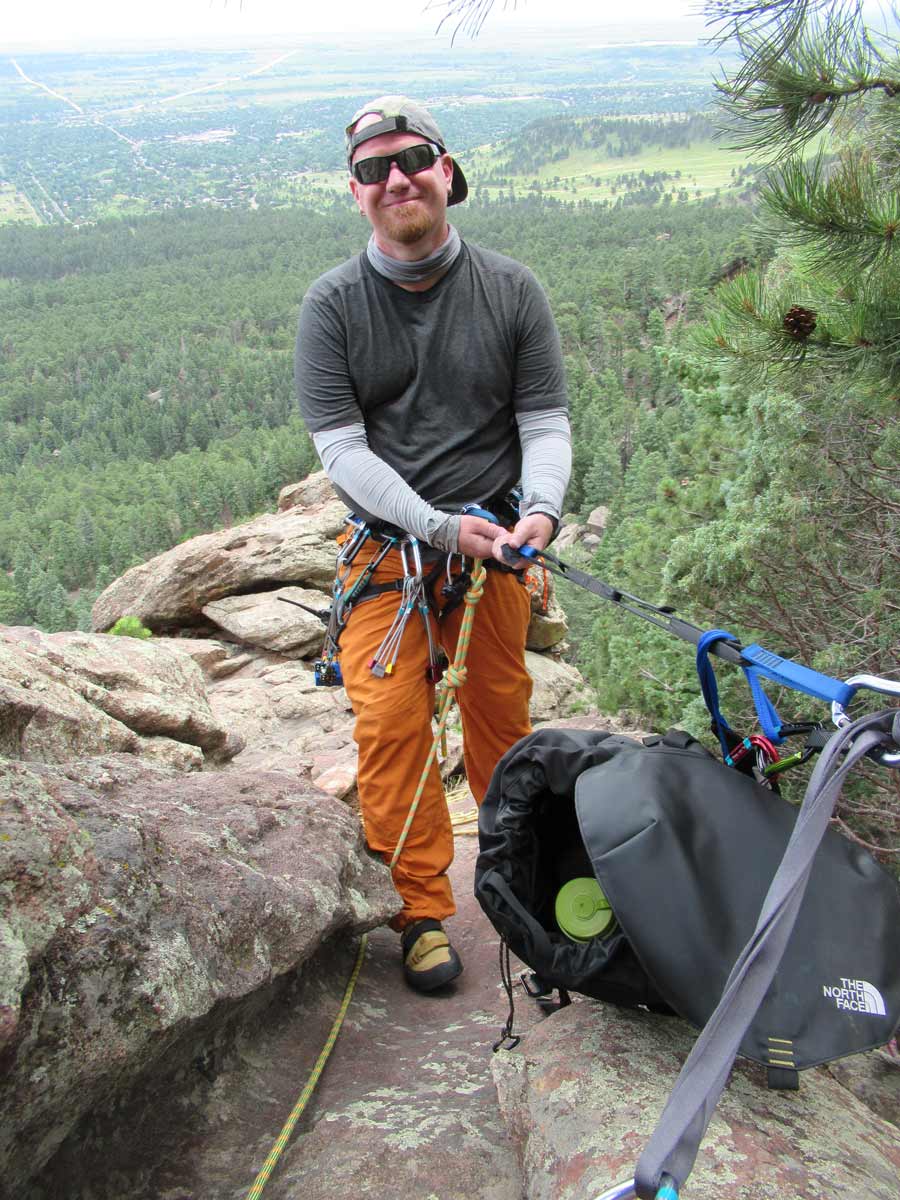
(477, 537)
(534, 530)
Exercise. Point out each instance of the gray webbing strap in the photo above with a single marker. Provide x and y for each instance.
(674, 1143)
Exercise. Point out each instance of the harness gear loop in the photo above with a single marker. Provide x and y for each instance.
(455, 677)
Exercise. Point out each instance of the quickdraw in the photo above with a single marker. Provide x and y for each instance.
(756, 662)
(415, 593)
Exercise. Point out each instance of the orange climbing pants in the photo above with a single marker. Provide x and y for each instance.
(393, 720)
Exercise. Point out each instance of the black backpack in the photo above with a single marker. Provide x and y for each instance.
(685, 849)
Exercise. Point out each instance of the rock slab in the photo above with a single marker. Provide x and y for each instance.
(63, 695)
(134, 902)
(584, 1089)
(291, 547)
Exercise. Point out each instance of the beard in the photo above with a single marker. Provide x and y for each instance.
(407, 223)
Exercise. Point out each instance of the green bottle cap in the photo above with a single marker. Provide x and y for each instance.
(582, 910)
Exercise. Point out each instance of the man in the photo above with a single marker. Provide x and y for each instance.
(430, 376)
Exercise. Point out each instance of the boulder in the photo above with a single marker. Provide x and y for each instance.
(274, 705)
(569, 536)
(598, 520)
(874, 1078)
(557, 686)
(584, 1089)
(312, 492)
(209, 655)
(289, 620)
(170, 591)
(136, 902)
(176, 756)
(64, 695)
(335, 773)
(41, 717)
(547, 628)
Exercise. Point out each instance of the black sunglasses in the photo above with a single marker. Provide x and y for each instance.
(410, 161)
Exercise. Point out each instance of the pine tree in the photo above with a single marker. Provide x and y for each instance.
(817, 95)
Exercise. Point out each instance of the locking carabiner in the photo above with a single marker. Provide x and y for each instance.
(872, 683)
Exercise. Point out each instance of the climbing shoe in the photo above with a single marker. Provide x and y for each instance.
(429, 961)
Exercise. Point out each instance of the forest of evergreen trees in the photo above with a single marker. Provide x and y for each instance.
(732, 374)
(146, 381)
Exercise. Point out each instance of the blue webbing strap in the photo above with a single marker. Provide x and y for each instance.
(708, 685)
(769, 720)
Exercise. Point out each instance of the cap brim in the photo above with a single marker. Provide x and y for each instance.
(459, 189)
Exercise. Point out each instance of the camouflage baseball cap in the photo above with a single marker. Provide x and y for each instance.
(401, 115)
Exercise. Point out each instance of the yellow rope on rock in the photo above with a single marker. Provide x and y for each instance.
(454, 678)
(458, 820)
(282, 1140)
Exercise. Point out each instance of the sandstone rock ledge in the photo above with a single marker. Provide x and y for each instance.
(134, 902)
(584, 1089)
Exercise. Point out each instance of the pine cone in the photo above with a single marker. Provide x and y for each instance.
(799, 322)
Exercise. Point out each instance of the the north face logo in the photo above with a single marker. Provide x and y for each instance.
(856, 995)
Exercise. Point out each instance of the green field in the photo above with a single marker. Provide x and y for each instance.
(705, 168)
(14, 206)
(701, 170)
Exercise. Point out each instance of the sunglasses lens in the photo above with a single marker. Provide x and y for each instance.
(371, 170)
(416, 158)
(410, 161)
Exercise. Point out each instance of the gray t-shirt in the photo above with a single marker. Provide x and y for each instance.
(437, 377)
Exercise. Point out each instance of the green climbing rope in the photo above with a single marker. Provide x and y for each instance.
(454, 678)
(284, 1137)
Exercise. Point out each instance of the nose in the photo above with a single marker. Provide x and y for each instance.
(396, 177)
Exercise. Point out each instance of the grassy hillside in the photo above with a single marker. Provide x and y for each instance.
(608, 160)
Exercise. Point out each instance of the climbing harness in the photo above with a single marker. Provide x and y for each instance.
(415, 588)
(297, 1111)
(327, 668)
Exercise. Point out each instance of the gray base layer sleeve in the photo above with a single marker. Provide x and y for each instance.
(546, 461)
(378, 489)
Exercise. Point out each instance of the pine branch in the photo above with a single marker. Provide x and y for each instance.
(778, 325)
(768, 32)
(803, 61)
(844, 218)
(777, 104)
(466, 16)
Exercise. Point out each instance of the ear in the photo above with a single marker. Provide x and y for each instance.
(447, 168)
(354, 189)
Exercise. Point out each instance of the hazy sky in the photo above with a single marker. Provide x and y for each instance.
(76, 22)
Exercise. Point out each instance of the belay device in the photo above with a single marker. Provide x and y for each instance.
(727, 906)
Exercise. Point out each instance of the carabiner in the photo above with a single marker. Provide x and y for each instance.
(621, 1191)
(872, 683)
(625, 1191)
